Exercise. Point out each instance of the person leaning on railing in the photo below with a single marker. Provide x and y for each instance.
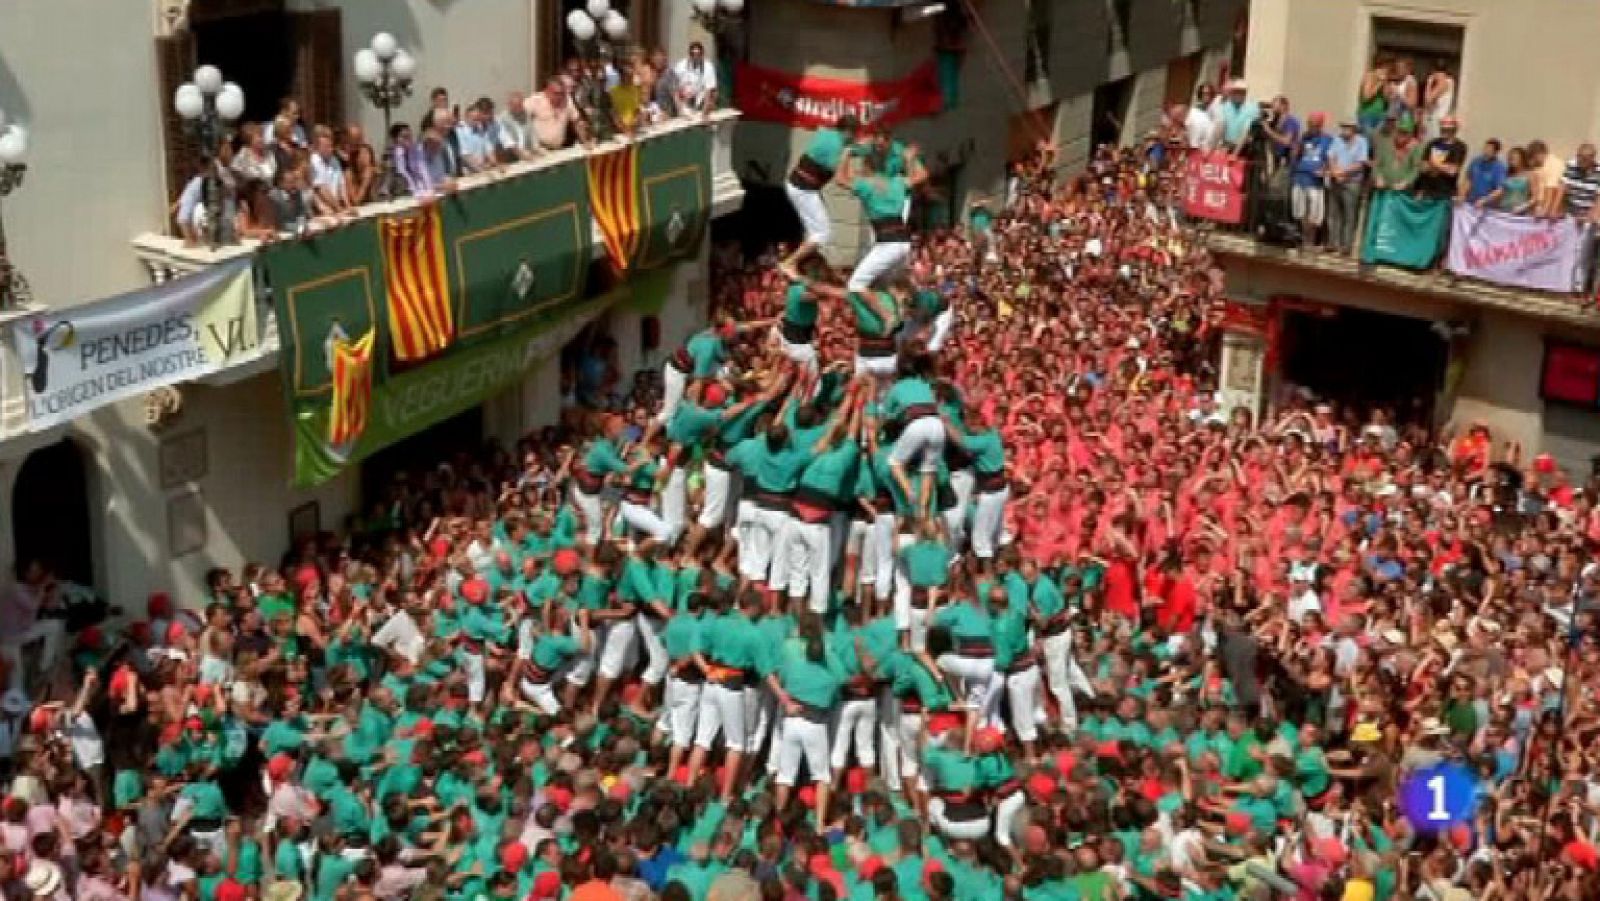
(1348, 156)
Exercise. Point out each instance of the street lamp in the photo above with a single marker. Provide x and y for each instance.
(717, 16)
(385, 70)
(207, 104)
(14, 291)
(596, 28)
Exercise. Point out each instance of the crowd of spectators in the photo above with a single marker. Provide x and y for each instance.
(284, 175)
(1399, 135)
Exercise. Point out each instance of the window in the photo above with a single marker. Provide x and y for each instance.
(1416, 50)
(556, 43)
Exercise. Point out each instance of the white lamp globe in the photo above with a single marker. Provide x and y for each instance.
(581, 26)
(367, 66)
(208, 79)
(598, 9)
(385, 46)
(13, 145)
(230, 102)
(615, 25)
(733, 6)
(188, 101)
(705, 7)
(404, 65)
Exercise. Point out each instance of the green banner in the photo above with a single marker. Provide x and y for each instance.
(1403, 230)
(674, 195)
(411, 401)
(332, 280)
(516, 247)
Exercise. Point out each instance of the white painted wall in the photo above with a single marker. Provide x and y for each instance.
(82, 75)
(475, 48)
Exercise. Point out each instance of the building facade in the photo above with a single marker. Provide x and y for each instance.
(149, 493)
(1464, 351)
(1075, 72)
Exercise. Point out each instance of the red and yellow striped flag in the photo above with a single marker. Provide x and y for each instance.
(614, 195)
(421, 322)
(352, 388)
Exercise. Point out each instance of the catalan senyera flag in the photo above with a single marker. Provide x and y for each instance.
(421, 321)
(614, 197)
(352, 388)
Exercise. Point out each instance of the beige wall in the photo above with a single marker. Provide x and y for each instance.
(81, 74)
(479, 49)
(1500, 361)
(1529, 67)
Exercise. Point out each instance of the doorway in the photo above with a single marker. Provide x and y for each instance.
(556, 44)
(50, 512)
(1110, 111)
(1363, 359)
(255, 52)
(423, 452)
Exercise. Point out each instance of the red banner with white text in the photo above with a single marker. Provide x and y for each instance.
(767, 95)
(1213, 187)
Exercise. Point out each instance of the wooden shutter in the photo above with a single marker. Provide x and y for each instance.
(175, 62)
(318, 66)
(646, 24)
(551, 26)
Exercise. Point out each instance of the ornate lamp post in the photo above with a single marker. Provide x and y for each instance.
(597, 28)
(14, 290)
(385, 70)
(724, 21)
(207, 104)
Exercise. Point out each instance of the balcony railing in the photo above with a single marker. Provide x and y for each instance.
(1248, 240)
(166, 256)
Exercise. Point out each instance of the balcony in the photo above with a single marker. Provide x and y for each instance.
(167, 256)
(1562, 308)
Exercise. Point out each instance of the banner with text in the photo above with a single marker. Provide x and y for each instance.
(79, 359)
(1519, 251)
(1213, 187)
(1403, 230)
(767, 95)
(411, 401)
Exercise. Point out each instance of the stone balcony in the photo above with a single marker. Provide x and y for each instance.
(167, 256)
(1567, 309)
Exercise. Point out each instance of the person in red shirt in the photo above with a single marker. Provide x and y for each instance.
(1179, 604)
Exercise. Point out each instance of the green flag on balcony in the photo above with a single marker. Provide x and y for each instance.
(1403, 230)
(674, 195)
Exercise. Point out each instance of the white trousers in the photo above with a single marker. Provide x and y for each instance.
(593, 515)
(757, 544)
(804, 354)
(801, 738)
(807, 562)
(858, 725)
(921, 440)
(959, 830)
(1022, 691)
(942, 325)
(675, 502)
(673, 383)
(902, 744)
(981, 685)
(714, 503)
(622, 646)
(879, 367)
(721, 709)
(1005, 816)
(51, 633)
(812, 212)
(643, 519)
(542, 695)
(1064, 675)
(881, 558)
(679, 708)
(882, 262)
(988, 522)
(472, 668)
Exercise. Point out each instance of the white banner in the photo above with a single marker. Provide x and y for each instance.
(82, 358)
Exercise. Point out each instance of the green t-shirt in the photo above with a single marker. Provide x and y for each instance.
(927, 563)
(799, 307)
(882, 196)
(833, 472)
(813, 684)
(826, 148)
(869, 322)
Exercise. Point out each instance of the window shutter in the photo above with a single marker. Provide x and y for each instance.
(175, 62)
(318, 66)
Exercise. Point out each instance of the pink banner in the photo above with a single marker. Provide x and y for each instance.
(1519, 251)
(1213, 187)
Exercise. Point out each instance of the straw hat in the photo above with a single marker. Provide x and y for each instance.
(44, 878)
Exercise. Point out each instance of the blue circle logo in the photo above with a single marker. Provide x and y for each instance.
(1439, 797)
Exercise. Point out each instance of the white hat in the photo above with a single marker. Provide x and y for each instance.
(14, 702)
(1238, 84)
(44, 878)
(1431, 726)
